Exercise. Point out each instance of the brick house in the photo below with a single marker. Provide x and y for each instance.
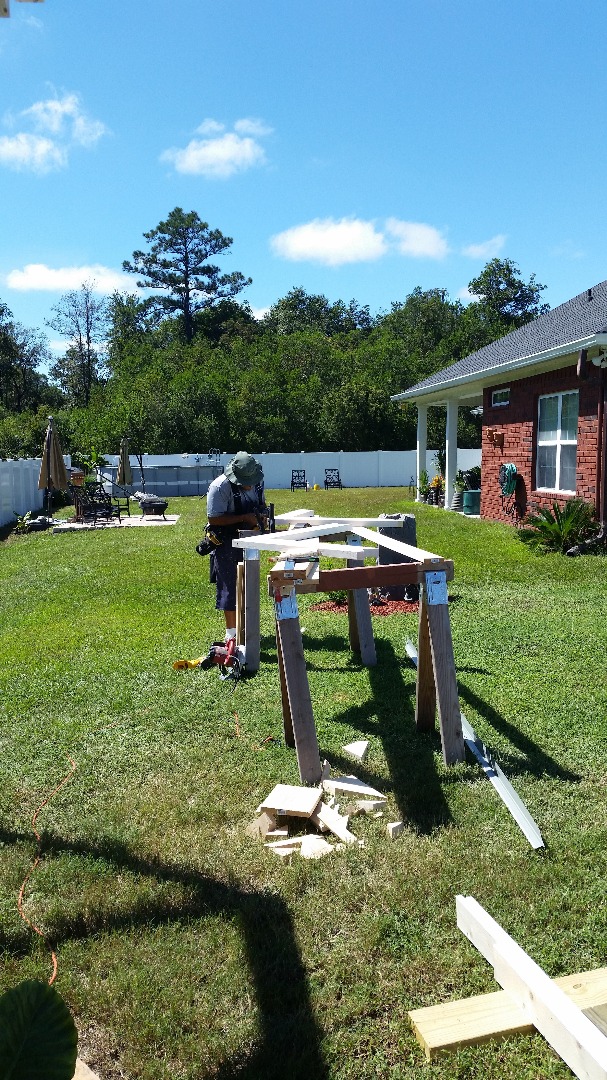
(542, 391)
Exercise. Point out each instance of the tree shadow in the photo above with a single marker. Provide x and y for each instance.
(537, 762)
(289, 1042)
(390, 715)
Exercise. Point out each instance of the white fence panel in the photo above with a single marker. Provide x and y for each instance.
(19, 488)
(373, 468)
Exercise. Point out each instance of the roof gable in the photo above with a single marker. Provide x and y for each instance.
(583, 316)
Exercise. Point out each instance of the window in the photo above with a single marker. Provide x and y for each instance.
(500, 397)
(557, 442)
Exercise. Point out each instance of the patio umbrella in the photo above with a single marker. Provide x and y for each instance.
(53, 475)
(124, 477)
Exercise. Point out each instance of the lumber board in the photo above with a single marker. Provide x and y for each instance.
(292, 800)
(274, 541)
(415, 553)
(425, 689)
(240, 604)
(358, 603)
(252, 632)
(370, 577)
(572, 1034)
(309, 515)
(443, 663)
(338, 825)
(442, 1029)
(352, 786)
(287, 721)
(300, 702)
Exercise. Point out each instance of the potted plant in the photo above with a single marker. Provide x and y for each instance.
(424, 486)
(459, 485)
(437, 489)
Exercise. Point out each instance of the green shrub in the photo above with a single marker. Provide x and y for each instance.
(560, 528)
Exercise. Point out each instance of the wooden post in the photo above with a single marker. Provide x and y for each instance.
(443, 662)
(240, 604)
(251, 609)
(359, 618)
(425, 691)
(298, 688)
(287, 720)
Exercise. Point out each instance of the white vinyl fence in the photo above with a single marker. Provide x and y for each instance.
(19, 488)
(190, 474)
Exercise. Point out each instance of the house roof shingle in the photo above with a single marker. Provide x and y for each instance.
(583, 316)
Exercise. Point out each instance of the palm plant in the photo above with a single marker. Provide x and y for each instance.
(559, 528)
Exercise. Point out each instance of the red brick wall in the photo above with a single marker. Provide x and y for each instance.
(518, 422)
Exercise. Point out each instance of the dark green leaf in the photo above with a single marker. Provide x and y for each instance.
(38, 1037)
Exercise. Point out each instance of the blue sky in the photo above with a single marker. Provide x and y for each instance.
(355, 149)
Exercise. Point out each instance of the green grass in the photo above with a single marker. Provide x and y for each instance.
(185, 949)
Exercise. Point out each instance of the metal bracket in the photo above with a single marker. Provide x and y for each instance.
(286, 607)
(436, 587)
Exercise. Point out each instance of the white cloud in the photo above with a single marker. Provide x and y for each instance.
(33, 153)
(36, 277)
(466, 296)
(331, 242)
(251, 126)
(417, 240)
(210, 127)
(489, 249)
(59, 124)
(260, 313)
(223, 153)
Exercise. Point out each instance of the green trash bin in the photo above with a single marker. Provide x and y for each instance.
(472, 502)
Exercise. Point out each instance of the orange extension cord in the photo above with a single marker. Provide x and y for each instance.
(37, 860)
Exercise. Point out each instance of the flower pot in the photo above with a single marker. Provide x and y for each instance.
(472, 502)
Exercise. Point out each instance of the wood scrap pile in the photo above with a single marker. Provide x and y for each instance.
(296, 820)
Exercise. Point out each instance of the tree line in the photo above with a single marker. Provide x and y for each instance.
(188, 366)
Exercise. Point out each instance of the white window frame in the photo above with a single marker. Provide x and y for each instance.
(559, 442)
(500, 404)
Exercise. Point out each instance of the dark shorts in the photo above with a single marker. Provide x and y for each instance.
(224, 561)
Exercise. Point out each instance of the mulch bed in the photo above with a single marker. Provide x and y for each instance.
(386, 607)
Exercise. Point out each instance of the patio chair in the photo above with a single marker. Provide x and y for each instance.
(332, 478)
(92, 503)
(298, 479)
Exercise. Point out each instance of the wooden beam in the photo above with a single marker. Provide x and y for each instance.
(443, 663)
(415, 553)
(240, 604)
(425, 689)
(442, 1029)
(298, 689)
(574, 1037)
(309, 515)
(287, 720)
(369, 577)
(359, 617)
(252, 635)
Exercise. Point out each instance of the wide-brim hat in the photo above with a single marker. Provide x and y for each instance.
(244, 469)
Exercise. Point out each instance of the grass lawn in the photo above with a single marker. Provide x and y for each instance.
(185, 949)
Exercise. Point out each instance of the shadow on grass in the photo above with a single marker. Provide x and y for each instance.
(390, 716)
(290, 1040)
(538, 763)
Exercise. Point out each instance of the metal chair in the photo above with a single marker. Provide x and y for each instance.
(332, 478)
(298, 479)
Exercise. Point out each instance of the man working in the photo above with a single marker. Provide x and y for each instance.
(234, 501)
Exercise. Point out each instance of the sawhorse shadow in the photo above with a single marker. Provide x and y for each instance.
(289, 1042)
(390, 716)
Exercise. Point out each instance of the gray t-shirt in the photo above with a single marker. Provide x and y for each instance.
(220, 498)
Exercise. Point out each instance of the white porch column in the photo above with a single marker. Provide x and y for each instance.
(451, 451)
(422, 438)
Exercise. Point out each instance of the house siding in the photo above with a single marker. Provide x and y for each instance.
(517, 423)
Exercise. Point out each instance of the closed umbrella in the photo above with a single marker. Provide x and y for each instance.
(124, 476)
(53, 475)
